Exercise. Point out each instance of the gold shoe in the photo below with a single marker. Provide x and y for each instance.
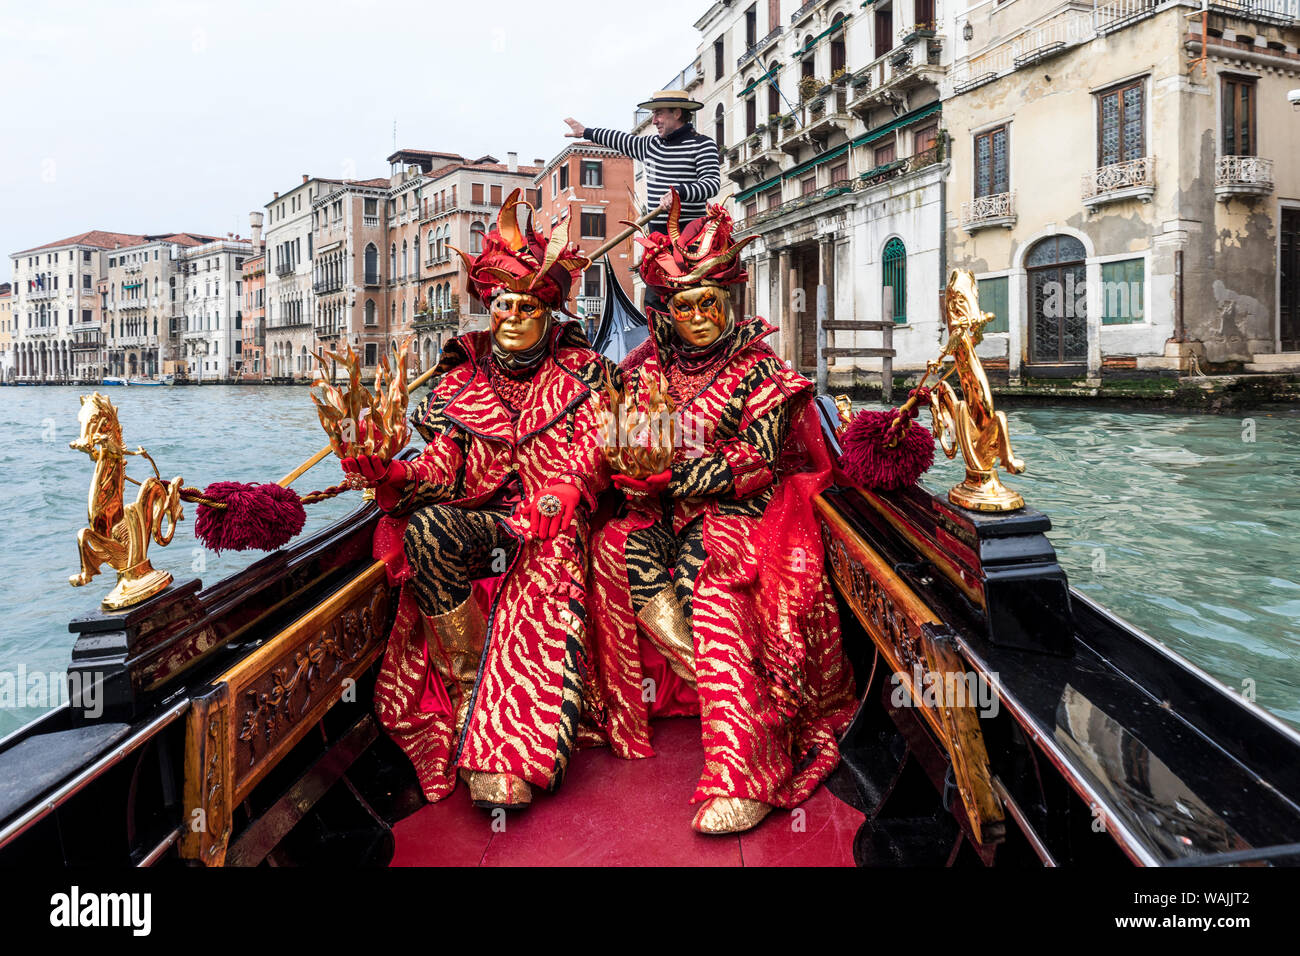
(456, 645)
(493, 790)
(665, 624)
(729, 815)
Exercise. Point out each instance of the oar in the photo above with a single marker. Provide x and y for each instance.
(321, 455)
(610, 244)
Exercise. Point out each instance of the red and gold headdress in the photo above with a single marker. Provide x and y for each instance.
(516, 259)
(700, 254)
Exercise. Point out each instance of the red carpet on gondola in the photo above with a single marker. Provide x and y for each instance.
(613, 812)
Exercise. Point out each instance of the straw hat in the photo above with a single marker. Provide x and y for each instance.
(671, 99)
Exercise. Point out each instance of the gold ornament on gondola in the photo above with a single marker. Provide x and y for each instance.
(970, 423)
(639, 442)
(342, 410)
(118, 534)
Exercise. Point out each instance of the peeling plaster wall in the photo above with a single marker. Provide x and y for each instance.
(1230, 270)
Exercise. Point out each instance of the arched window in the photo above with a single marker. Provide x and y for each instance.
(476, 233)
(392, 262)
(837, 44)
(370, 311)
(433, 243)
(372, 264)
(720, 127)
(895, 277)
(809, 62)
(405, 269)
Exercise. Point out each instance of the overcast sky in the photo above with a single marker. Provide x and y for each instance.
(145, 117)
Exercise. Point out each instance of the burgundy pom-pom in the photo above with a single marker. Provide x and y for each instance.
(256, 517)
(868, 458)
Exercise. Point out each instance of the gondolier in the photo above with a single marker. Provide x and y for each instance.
(676, 158)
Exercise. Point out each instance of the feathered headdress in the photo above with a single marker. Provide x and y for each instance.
(516, 259)
(700, 254)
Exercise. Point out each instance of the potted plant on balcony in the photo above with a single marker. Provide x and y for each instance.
(808, 87)
(752, 141)
(916, 31)
(839, 77)
(759, 130)
(817, 106)
(788, 121)
(861, 80)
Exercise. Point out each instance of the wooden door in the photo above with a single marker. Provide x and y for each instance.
(1289, 291)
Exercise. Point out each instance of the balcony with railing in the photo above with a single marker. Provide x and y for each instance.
(803, 12)
(589, 306)
(985, 212)
(1247, 177)
(756, 155)
(39, 295)
(1114, 182)
(328, 284)
(283, 268)
(886, 78)
(802, 202)
(1027, 48)
(759, 47)
(87, 339)
(815, 120)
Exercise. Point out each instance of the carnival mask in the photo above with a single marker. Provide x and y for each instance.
(519, 321)
(700, 315)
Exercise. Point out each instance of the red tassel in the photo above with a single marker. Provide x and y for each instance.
(256, 517)
(868, 457)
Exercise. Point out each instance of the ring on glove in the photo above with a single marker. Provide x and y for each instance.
(549, 505)
(357, 481)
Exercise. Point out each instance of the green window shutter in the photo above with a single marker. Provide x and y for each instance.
(1123, 292)
(895, 277)
(993, 298)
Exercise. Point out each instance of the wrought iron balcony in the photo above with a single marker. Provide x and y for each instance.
(984, 212)
(321, 286)
(1131, 179)
(283, 268)
(1242, 176)
(759, 47)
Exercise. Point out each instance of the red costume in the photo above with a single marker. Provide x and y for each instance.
(507, 431)
(719, 559)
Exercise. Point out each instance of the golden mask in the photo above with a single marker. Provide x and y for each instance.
(519, 320)
(700, 315)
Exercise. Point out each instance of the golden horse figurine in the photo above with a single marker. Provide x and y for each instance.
(119, 534)
(970, 423)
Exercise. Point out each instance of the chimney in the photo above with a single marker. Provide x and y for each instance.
(275, 197)
(304, 179)
(539, 162)
(512, 162)
(255, 221)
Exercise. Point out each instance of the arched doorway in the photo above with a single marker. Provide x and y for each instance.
(1058, 309)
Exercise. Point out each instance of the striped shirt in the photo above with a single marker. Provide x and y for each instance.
(684, 159)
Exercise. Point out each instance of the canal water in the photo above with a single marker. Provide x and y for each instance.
(1185, 525)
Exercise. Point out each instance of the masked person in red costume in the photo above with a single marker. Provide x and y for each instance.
(505, 486)
(718, 559)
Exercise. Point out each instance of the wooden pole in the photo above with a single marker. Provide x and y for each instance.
(887, 361)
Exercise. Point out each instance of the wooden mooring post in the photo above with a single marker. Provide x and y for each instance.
(885, 353)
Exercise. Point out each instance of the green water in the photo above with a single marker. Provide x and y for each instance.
(1176, 523)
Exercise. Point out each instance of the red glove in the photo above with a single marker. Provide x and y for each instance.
(387, 478)
(653, 485)
(548, 526)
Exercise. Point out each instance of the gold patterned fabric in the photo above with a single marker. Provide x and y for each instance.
(764, 741)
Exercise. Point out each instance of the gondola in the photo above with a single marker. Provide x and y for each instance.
(1005, 719)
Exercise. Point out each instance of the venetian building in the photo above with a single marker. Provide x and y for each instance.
(55, 306)
(212, 335)
(253, 275)
(458, 205)
(831, 118)
(6, 333)
(349, 235)
(593, 184)
(138, 293)
(1124, 183)
(290, 301)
